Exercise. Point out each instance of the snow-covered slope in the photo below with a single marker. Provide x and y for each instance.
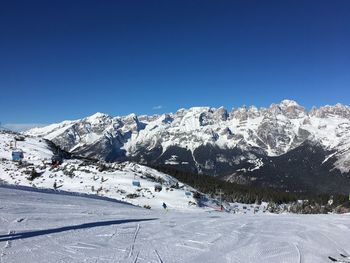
(103, 179)
(38, 227)
(210, 140)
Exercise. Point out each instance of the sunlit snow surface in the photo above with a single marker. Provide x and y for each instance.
(87, 179)
(40, 227)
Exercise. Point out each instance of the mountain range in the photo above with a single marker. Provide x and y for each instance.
(283, 146)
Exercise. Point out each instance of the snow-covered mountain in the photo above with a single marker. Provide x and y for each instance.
(279, 146)
(111, 180)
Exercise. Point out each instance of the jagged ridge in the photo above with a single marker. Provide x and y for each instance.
(211, 140)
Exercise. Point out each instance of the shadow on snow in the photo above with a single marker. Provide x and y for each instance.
(36, 233)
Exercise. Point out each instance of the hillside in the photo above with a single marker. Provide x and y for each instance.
(89, 177)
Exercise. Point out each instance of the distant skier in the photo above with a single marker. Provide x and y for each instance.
(164, 206)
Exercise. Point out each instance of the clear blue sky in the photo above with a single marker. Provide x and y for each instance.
(68, 59)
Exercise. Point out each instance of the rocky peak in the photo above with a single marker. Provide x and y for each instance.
(289, 108)
(147, 118)
(240, 113)
(253, 112)
(220, 114)
(289, 103)
(338, 110)
(98, 119)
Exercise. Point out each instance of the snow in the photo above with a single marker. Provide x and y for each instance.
(34, 149)
(258, 163)
(115, 182)
(289, 103)
(42, 227)
(95, 118)
(328, 157)
(53, 129)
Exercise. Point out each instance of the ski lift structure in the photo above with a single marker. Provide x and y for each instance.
(136, 182)
(17, 155)
(188, 194)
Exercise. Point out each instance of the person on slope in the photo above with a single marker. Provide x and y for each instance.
(164, 206)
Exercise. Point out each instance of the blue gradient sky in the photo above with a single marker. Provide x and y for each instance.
(68, 59)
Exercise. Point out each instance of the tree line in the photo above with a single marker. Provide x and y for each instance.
(232, 192)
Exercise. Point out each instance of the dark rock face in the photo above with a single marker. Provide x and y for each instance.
(301, 170)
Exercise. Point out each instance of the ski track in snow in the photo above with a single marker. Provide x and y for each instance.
(134, 240)
(61, 228)
(159, 258)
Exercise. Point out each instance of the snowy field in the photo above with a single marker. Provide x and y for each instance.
(40, 227)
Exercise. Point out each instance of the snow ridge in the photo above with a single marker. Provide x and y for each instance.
(274, 131)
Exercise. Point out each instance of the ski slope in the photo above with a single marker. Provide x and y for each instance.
(77, 176)
(41, 227)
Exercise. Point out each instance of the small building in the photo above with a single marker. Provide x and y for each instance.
(17, 155)
(20, 138)
(136, 183)
(188, 193)
(56, 159)
(158, 188)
